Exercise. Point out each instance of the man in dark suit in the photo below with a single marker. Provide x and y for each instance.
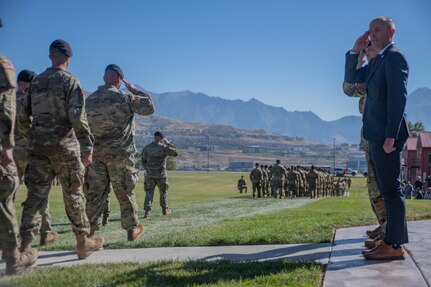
(384, 126)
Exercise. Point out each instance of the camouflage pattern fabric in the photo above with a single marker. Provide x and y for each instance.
(119, 172)
(256, 177)
(278, 175)
(53, 118)
(111, 114)
(153, 158)
(312, 177)
(8, 176)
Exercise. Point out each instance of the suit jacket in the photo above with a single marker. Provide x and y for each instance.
(386, 83)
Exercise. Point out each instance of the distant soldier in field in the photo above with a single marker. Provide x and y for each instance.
(312, 177)
(349, 182)
(278, 175)
(256, 177)
(53, 118)
(264, 179)
(111, 113)
(292, 181)
(242, 185)
(268, 182)
(15, 261)
(20, 154)
(154, 162)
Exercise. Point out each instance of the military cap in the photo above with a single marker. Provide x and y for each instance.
(115, 68)
(26, 76)
(61, 46)
(158, 134)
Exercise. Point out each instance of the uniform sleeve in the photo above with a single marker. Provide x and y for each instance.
(7, 118)
(24, 115)
(354, 90)
(142, 104)
(7, 103)
(171, 150)
(78, 117)
(144, 157)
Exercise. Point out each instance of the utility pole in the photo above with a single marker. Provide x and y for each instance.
(208, 154)
(333, 167)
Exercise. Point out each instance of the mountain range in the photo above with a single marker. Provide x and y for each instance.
(253, 114)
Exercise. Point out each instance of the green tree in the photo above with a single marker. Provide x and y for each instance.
(415, 128)
(171, 164)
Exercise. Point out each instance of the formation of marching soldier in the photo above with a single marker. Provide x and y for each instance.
(281, 181)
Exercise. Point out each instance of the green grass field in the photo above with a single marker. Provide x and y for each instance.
(208, 210)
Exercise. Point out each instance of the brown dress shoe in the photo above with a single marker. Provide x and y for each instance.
(385, 252)
(377, 245)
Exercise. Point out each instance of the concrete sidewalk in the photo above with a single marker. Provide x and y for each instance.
(296, 252)
(347, 267)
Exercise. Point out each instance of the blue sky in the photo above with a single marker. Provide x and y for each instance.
(283, 53)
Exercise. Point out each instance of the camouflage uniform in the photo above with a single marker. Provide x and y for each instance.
(59, 135)
(8, 175)
(111, 115)
(154, 161)
(312, 178)
(256, 176)
(20, 155)
(376, 199)
(292, 181)
(264, 180)
(242, 185)
(278, 175)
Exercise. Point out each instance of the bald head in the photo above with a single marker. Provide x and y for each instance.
(382, 30)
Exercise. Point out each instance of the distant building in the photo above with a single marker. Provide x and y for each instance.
(253, 149)
(241, 165)
(410, 160)
(417, 157)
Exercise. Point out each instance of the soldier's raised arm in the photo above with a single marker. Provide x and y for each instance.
(78, 117)
(170, 149)
(142, 103)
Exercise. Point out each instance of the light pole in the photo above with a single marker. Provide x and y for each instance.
(208, 154)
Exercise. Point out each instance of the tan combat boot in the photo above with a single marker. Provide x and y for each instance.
(17, 262)
(135, 233)
(166, 211)
(85, 246)
(48, 238)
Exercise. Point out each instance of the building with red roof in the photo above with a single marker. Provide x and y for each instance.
(417, 157)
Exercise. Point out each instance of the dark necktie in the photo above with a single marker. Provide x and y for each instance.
(374, 60)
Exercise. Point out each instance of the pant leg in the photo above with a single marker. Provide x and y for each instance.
(149, 187)
(96, 190)
(376, 199)
(163, 185)
(8, 223)
(124, 177)
(38, 178)
(46, 219)
(387, 168)
(70, 172)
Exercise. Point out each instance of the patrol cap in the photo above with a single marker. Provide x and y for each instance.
(158, 134)
(115, 68)
(26, 76)
(61, 46)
